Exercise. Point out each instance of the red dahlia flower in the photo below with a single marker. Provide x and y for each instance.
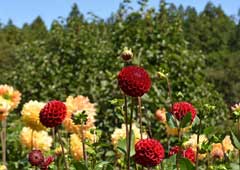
(187, 153)
(134, 81)
(53, 113)
(181, 109)
(47, 161)
(149, 152)
(35, 157)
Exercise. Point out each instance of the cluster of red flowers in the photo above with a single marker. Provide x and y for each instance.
(187, 153)
(36, 158)
(134, 81)
(53, 113)
(149, 152)
(181, 109)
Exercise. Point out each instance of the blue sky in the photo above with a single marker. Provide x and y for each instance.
(21, 11)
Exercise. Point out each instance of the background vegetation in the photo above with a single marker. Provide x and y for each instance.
(199, 52)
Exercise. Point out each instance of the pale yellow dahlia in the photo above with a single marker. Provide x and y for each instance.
(30, 115)
(39, 139)
(76, 106)
(227, 144)
(76, 147)
(11, 95)
(120, 133)
(192, 143)
(3, 167)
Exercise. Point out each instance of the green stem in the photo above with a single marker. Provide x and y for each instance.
(169, 91)
(3, 141)
(198, 134)
(238, 124)
(83, 144)
(178, 154)
(126, 122)
(140, 115)
(130, 135)
(62, 147)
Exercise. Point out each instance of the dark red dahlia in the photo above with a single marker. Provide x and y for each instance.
(174, 150)
(53, 113)
(149, 152)
(134, 81)
(47, 161)
(187, 153)
(181, 109)
(35, 157)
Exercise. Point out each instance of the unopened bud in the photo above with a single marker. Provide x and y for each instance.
(127, 54)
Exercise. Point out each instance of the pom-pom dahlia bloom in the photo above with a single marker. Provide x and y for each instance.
(181, 109)
(186, 153)
(35, 157)
(30, 115)
(149, 152)
(47, 161)
(39, 139)
(53, 113)
(134, 81)
(76, 106)
(120, 133)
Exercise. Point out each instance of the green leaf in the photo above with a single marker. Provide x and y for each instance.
(185, 164)
(121, 146)
(79, 165)
(101, 165)
(169, 163)
(235, 140)
(132, 149)
(171, 121)
(196, 121)
(208, 130)
(186, 120)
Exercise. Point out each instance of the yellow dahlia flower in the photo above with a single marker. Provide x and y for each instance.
(76, 147)
(120, 133)
(76, 106)
(227, 144)
(192, 142)
(39, 139)
(3, 167)
(30, 115)
(11, 95)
